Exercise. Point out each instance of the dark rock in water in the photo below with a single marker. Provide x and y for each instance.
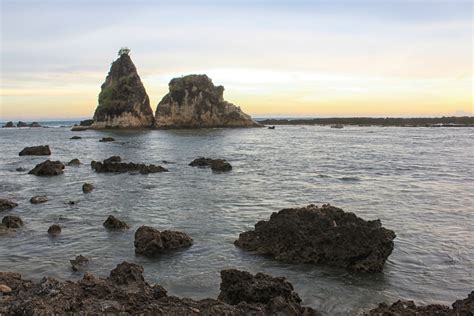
(9, 124)
(107, 139)
(125, 292)
(48, 168)
(123, 102)
(112, 159)
(194, 102)
(271, 127)
(325, 235)
(113, 164)
(87, 187)
(72, 202)
(150, 241)
(39, 199)
(114, 223)
(215, 164)
(74, 162)
(21, 169)
(201, 162)
(77, 128)
(7, 205)
(79, 263)
(21, 124)
(11, 221)
(76, 137)
(86, 123)
(35, 124)
(36, 151)
(54, 230)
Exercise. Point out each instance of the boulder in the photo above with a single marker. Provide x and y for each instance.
(21, 124)
(87, 187)
(7, 205)
(76, 137)
(107, 139)
(114, 164)
(194, 102)
(39, 199)
(54, 230)
(123, 101)
(79, 263)
(36, 151)
(74, 162)
(151, 242)
(9, 124)
(321, 235)
(11, 221)
(215, 164)
(48, 168)
(114, 223)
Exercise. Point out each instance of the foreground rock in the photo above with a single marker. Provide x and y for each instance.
(114, 223)
(38, 199)
(87, 187)
(54, 230)
(36, 151)
(114, 164)
(321, 235)
(48, 168)
(126, 292)
(123, 102)
(215, 164)
(194, 102)
(79, 263)
(7, 205)
(151, 242)
(11, 221)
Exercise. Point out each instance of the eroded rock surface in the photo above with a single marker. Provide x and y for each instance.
(42, 150)
(54, 230)
(151, 242)
(38, 199)
(12, 221)
(79, 263)
(215, 164)
(114, 223)
(114, 164)
(48, 168)
(321, 235)
(7, 205)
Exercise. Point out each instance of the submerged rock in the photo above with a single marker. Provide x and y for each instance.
(150, 241)
(76, 137)
(39, 199)
(123, 102)
(48, 168)
(114, 223)
(11, 221)
(114, 164)
(36, 151)
(107, 139)
(7, 205)
(74, 162)
(321, 235)
(194, 102)
(79, 263)
(21, 169)
(87, 187)
(54, 230)
(215, 164)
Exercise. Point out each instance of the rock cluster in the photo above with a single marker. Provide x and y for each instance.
(48, 168)
(7, 205)
(151, 242)
(36, 151)
(321, 235)
(114, 223)
(114, 164)
(215, 164)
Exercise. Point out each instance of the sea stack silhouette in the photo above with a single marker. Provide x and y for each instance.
(194, 102)
(123, 101)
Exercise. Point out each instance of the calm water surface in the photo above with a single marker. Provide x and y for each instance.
(418, 181)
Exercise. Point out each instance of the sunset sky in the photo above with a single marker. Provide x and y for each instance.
(274, 58)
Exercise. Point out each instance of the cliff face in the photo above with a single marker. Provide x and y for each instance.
(123, 102)
(193, 102)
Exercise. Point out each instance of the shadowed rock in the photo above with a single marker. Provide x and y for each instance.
(87, 187)
(21, 169)
(11, 221)
(107, 139)
(7, 205)
(9, 124)
(54, 230)
(114, 223)
(76, 137)
(38, 199)
(48, 168)
(113, 164)
(215, 164)
(79, 263)
(325, 235)
(151, 242)
(36, 151)
(74, 162)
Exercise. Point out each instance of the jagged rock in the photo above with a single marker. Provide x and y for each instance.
(123, 102)
(79, 263)
(74, 162)
(114, 223)
(87, 187)
(11, 221)
(114, 164)
(76, 137)
(150, 241)
(9, 124)
(54, 230)
(215, 164)
(7, 205)
(194, 102)
(36, 151)
(107, 139)
(38, 199)
(325, 235)
(48, 168)
(465, 306)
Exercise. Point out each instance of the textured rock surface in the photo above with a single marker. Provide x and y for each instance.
(87, 187)
(11, 221)
(7, 205)
(123, 102)
(126, 292)
(114, 223)
(79, 263)
(193, 102)
(38, 199)
(321, 235)
(215, 164)
(114, 164)
(54, 230)
(36, 151)
(150, 241)
(74, 162)
(48, 168)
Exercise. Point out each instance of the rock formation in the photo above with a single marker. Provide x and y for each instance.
(79, 263)
(215, 164)
(74, 162)
(114, 164)
(114, 223)
(7, 205)
(151, 242)
(54, 230)
(123, 102)
(193, 102)
(107, 139)
(48, 168)
(321, 235)
(9, 124)
(38, 199)
(87, 187)
(36, 151)
(11, 221)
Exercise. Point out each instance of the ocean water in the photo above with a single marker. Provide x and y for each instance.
(418, 181)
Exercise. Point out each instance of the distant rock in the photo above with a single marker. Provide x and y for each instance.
(78, 128)
(86, 122)
(114, 165)
(321, 235)
(151, 242)
(114, 223)
(48, 168)
(107, 139)
(194, 102)
(21, 169)
(113, 159)
(9, 124)
(123, 101)
(21, 124)
(12, 221)
(54, 230)
(7, 205)
(74, 162)
(87, 187)
(215, 164)
(79, 263)
(38, 199)
(35, 124)
(36, 151)
(76, 137)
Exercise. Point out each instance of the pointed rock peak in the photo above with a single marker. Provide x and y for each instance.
(194, 101)
(123, 101)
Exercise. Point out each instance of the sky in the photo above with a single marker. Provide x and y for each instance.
(275, 58)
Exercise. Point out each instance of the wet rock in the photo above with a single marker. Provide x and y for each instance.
(465, 306)
(4, 289)
(9, 124)
(79, 263)
(54, 230)
(36, 151)
(74, 162)
(127, 273)
(107, 139)
(11, 221)
(77, 128)
(150, 241)
(21, 124)
(321, 235)
(21, 169)
(201, 162)
(35, 124)
(39, 199)
(87, 187)
(76, 137)
(7, 205)
(48, 168)
(194, 102)
(112, 159)
(114, 223)
(114, 165)
(215, 164)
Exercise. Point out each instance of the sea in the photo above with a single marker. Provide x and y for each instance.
(418, 181)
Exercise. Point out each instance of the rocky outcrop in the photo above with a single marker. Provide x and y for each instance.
(9, 124)
(79, 263)
(321, 235)
(123, 102)
(54, 230)
(7, 205)
(36, 151)
(38, 199)
(194, 102)
(48, 168)
(11, 221)
(151, 242)
(215, 164)
(114, 223)
(126, 292)
(114, 164)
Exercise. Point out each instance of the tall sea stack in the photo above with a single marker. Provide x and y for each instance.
(194, 102)
(123, 102)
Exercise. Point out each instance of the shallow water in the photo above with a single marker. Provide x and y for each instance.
(418, 181)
